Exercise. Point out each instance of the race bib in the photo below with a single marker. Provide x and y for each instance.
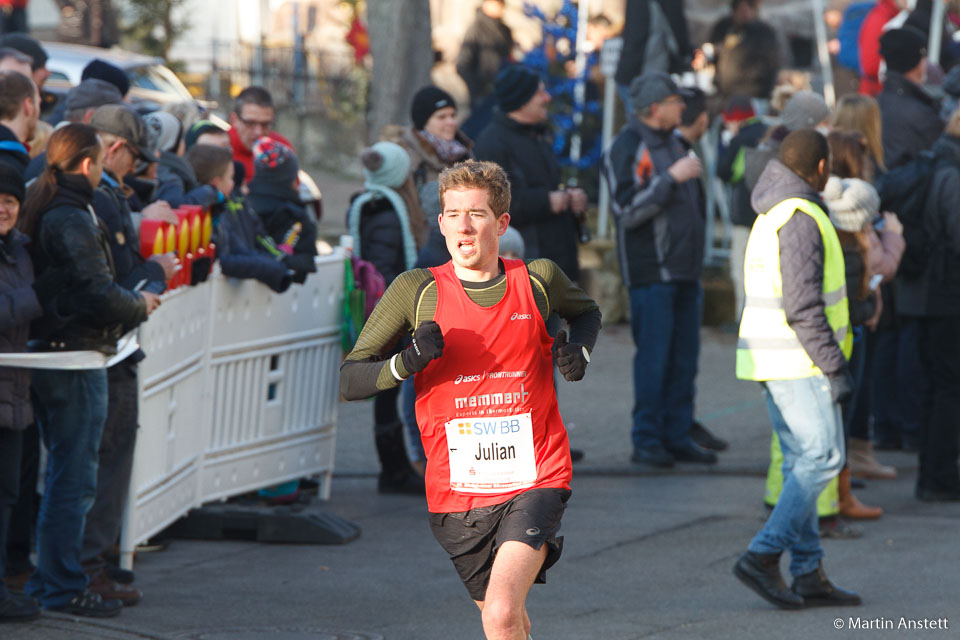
(491, 454)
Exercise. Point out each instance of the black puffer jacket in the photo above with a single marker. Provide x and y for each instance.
(279, 208)
(381, 238)
(238, 233)
(911, 120)
(486, 48)
(526, 153)
(18, 306)
(72, 239)
(801, 265)
(111, 206)
(937, 292)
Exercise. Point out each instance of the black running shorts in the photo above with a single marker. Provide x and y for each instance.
(473, 537)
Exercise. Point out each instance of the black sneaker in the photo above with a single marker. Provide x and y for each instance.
(15, 608)
(120, 576)
(90, 605)
(703, 438)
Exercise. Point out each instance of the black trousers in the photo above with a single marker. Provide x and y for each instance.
(10, 441)
(940, 430)
(23, 516)
(117, 446)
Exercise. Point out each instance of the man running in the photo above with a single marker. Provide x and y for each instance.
(498, 461)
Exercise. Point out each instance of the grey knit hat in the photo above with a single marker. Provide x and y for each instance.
(804, 110)
(512, 242)
(852, 203)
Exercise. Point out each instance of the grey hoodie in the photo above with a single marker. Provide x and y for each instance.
(801, 265)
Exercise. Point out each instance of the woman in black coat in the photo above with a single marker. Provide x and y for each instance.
(19, 304)
(71, 404)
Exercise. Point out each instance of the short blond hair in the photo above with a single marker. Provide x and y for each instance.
(474, 174)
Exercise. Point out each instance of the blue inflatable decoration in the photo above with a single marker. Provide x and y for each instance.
(560, 34)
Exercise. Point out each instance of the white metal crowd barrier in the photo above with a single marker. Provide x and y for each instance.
(239, 391)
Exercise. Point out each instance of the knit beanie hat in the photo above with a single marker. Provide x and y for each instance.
(386, 164)
(25, 44)
(102, 70)
(512, 242)
(804, 110)
(428, 101)
(852, 203)
(902, 49)
(164, 130)
(274, 161)
(514, 86)
(738, 109)
(11, 182)
(198, 129)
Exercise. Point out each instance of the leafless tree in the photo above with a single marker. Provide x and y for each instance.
(402, 51)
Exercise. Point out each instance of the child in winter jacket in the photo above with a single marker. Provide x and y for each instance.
(243, 247)
(275, 199)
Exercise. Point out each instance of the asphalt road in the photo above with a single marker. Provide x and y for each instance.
(646, 554)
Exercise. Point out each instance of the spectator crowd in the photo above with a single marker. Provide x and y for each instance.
(74, 194)
(844, 258)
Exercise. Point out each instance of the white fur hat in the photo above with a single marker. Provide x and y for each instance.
(852, 203)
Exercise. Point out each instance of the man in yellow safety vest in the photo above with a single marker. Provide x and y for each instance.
(795, 340)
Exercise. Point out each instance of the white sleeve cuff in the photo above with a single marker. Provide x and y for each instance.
(393, 367)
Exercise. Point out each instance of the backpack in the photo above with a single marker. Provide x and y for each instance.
(363, 286)
(849, 34)
(904, 191)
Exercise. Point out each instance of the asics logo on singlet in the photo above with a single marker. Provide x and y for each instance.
(475, 378)
(522, 316)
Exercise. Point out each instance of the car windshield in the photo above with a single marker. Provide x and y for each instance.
(156, 77)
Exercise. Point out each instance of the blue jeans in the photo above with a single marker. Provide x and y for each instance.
(408, 414)
(665, 321)
(810, 428)
(71, 408)
(623, 90)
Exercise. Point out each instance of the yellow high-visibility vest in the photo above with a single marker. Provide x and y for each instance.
(768, 349)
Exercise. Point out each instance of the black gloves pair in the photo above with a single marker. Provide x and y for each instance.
(841, 386)
(570, 357)
(427, 345)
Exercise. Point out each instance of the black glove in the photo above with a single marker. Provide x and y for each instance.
(300, 262)
(200, 270)
(841, 386)
(300, 276)
(49, 284)
(427, 345)
(284, 283)
(571, 360)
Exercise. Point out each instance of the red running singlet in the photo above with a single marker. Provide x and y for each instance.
(487, 409)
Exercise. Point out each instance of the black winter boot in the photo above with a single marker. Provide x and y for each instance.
(761, 572)
(817, 591)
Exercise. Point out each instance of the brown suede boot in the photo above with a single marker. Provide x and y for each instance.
(862, 462)
(850, 507)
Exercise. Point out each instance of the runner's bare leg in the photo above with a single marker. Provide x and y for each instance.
(504, 611)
